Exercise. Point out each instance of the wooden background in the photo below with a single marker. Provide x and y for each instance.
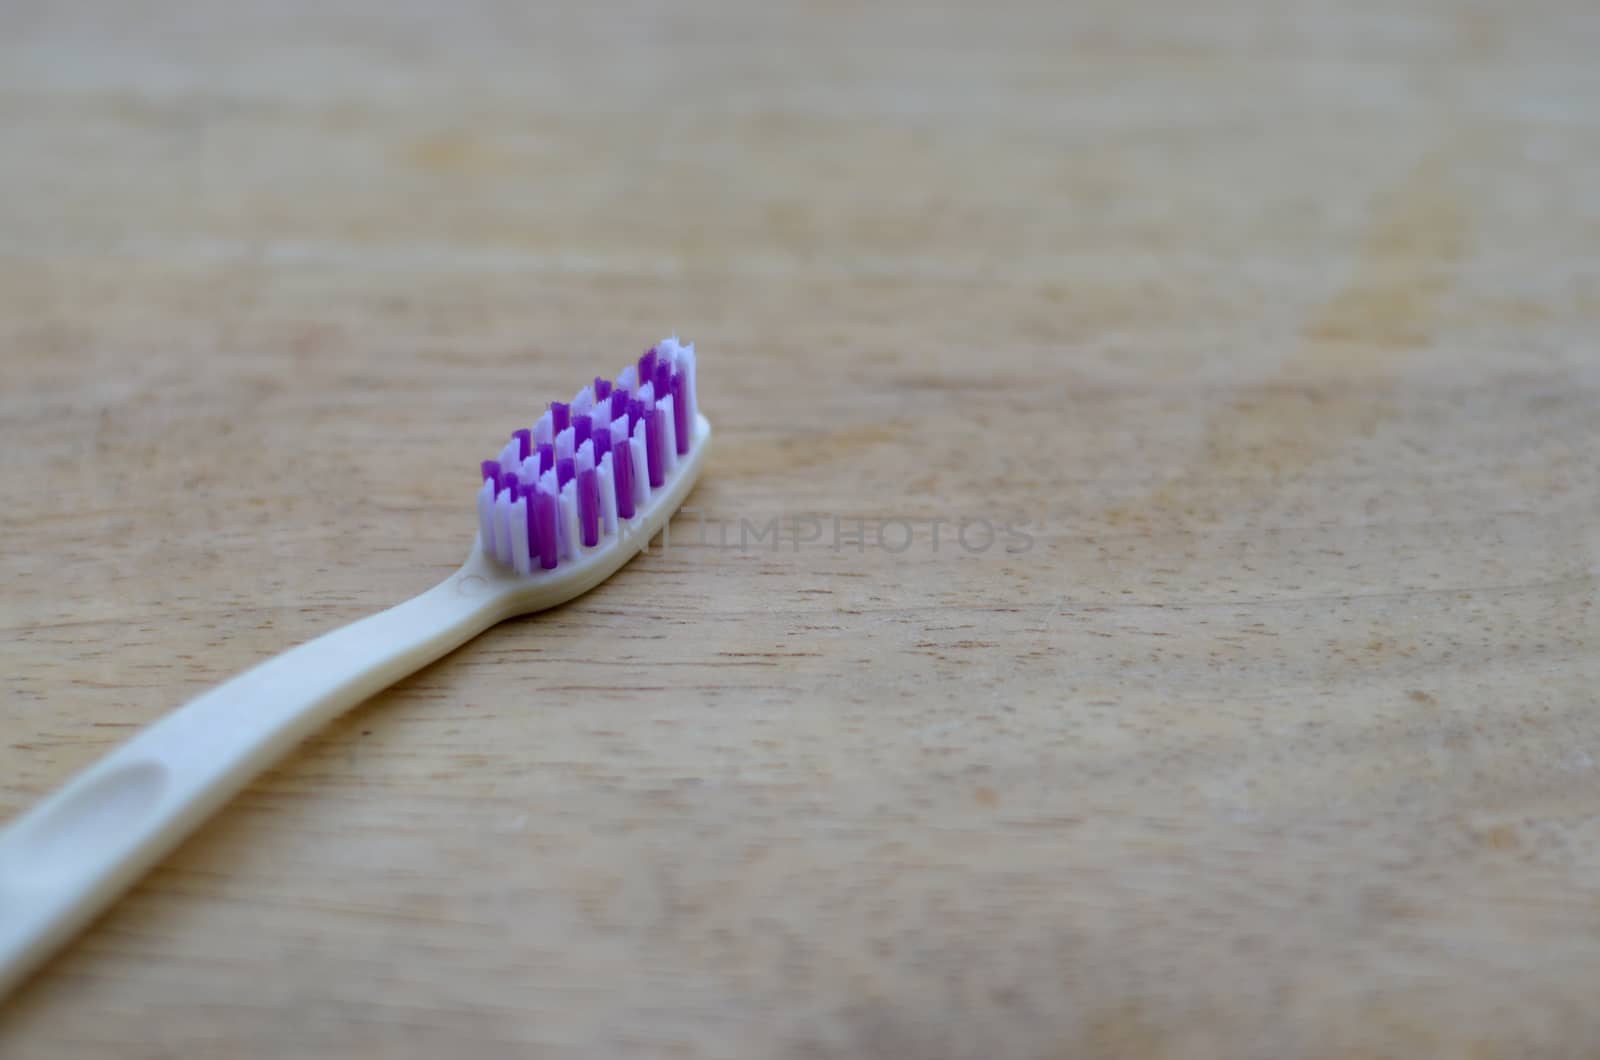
(1275, 321)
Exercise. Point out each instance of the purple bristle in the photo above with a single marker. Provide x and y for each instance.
(491, 470)
(655, 425)
(635, 411)
(589, 507)
(680, 412)
(531, 511)
(647, 366)
(602, 445)
(510, 483)
(619, 402)
(524, 439)
(663, 379)
(560, 416)
(580, 432)
(549, 544)
(547, 458)
(602, 389)
(622, 477)
(564, 471)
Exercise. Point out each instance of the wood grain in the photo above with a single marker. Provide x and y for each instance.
(1271, 325)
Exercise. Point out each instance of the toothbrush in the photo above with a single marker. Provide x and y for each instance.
(567, 502)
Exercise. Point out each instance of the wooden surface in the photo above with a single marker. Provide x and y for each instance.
(1275, 322)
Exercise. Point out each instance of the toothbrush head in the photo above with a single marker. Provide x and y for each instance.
(573, 497)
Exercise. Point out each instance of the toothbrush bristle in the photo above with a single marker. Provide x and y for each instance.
(652, 449)
(570, 482)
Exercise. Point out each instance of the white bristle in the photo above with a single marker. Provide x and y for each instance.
(628, 378)
(599, 418)
(543, 429)
(647, 394)
(502, 527)
(564, 444)
(608, 495)
(584, 460)
(569, 520)
(486, 516)
(520, 559)
(669, 437)
(528, 473)
(511, 455)
(686, 365)
(582, 402)
(641, 466)
(619, 431)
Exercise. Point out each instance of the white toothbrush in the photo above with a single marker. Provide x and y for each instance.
(572, 499)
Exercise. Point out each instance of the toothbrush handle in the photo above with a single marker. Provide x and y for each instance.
(73, 854)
